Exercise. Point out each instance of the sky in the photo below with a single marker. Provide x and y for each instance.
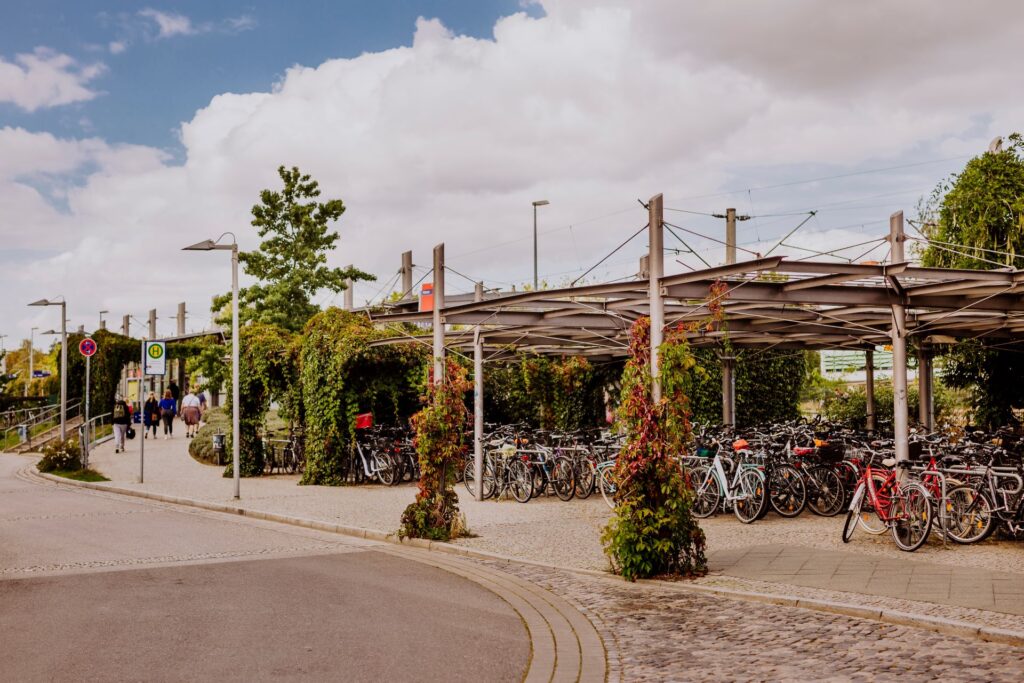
(131, 129)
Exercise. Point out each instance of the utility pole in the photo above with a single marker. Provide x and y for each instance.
(126, 323)
(349, 295)
(898, 334)
(152, 324)
(655, 269)
(406, 274)
(730, 232)
(439, 369)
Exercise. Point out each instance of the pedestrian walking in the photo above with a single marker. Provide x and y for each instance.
(175, 394)
(151, 414)
(190, 412)
(168, 409)
(121, 417)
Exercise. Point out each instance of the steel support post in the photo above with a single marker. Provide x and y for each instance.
(438, 319)
(63, 370)
(406, 274)
(730, 236)
(729, 391)
(898, 332)
(236, 342)
(478, 402)
(349, 295)
(925, 413)
(869, 390)
(656, 268)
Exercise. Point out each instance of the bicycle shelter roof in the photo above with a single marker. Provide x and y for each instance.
(769, 302)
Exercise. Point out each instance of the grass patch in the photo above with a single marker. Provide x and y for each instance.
(80, 475)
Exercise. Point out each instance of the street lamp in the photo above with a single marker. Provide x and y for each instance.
(31, 357)
(541, 202)
(213, 245)
(63, 360)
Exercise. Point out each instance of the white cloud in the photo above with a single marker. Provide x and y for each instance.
(450, 139)
(116, 47)
(169, 24)
(45, 78)
(243, 22)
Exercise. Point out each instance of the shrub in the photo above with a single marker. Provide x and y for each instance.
(63, 455)
(201, 446)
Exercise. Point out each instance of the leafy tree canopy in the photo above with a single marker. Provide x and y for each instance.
(290, 265)
(975, 219)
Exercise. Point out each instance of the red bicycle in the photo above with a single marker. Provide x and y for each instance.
(881, 499)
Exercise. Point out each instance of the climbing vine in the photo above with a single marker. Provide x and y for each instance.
(440, 429)
(652, 531)
(340, 376)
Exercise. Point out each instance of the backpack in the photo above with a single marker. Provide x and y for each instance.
(119, 409)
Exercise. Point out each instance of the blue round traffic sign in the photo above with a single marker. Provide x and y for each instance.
(87, 347)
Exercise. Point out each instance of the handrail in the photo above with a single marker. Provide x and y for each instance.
(87, 436)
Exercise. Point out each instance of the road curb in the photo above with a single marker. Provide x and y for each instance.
(942, 625)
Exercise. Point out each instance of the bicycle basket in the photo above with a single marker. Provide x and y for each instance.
(831, 452)
(740, 444)
(364, 421)
(704, 452)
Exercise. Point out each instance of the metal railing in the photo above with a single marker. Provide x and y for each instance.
(94, 432)
(34, 425)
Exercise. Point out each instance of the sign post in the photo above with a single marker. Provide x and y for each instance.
(154, 362)
(87, 347)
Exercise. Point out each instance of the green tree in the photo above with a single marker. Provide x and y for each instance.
(975, 219)
(290, 265)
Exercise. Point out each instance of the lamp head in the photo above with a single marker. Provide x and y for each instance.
(205, 245)
(41, 302)
(541, 202)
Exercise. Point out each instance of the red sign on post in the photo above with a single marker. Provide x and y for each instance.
(87, 347)
(427, 297)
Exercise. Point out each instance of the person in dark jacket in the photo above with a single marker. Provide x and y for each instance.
(121, 417)
(168, 409)
(175, 394)
(151, 414)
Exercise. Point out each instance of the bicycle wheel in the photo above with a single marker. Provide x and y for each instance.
(968, 515)
(563, 478)
(826, 494)
(519, 480)
(752, 494)
(869, 519)
(707, 492)
(585, 478)
(853, 514)
(606, 484)
(387, 468)
(469, 478)
(787, 491)
(913, 518)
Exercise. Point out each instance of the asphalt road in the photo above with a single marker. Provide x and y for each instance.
(95, 586)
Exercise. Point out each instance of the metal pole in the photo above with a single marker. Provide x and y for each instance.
(348, 305)
(152, 324)
(869, 389)
(181, 318)
(730, 236)
(656, 267)
(235, 344)
(728, 391)
(63, 370)
(406, 274)
(438, 321)
(126, 322)
(85, 446)
(899, 349)
(535, 287)
(31, 358)
(142, 441)
(478, 402)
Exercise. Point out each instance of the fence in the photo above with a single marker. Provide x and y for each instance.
(36, 422)
(94, 432)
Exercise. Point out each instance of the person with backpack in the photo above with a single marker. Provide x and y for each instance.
(121, 417)
(168, 409)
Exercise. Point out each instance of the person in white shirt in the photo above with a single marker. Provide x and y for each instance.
(190, 413)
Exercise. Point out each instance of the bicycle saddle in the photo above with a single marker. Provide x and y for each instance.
(889, 462)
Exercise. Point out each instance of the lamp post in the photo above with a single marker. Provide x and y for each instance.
(540, 202)
(212, 245)
(63, 360)
(31, 357)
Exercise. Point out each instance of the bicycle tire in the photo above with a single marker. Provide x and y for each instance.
(607, 486)
(707, 492)
(787, 491)
(913, 523)
(519, 480)
(563, 478)
(585, 479)
(870, 521)
(973, 510)
(751, 504)
(853, 514)
(826, 492)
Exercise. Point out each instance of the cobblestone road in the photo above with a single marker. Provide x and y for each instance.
(667, 634)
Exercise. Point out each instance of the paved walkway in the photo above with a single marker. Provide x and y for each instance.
(855, 573)
(802, 557)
